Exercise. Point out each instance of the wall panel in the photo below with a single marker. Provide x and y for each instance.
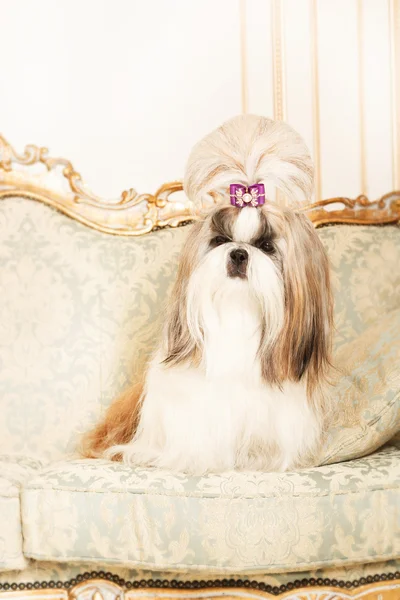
(124, 89)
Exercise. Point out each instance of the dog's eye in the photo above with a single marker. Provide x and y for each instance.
(266, 246)
(219, 240)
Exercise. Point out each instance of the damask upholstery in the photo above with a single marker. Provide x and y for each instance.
(365, 392)
(82, 310)
(365, 386)
(365, 275)
(14, 470)
(109, 513)
(80, 313)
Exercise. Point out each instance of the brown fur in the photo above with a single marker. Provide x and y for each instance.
(117, 426)
(304, 347)
(121, 419)
(222, 221)
(180, 345)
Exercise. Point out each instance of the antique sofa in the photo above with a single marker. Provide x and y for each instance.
(83, 283)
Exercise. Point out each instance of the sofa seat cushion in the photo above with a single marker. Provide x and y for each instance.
(108, 513)
(14, 470)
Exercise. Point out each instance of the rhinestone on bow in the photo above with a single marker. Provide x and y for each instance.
(242, 196)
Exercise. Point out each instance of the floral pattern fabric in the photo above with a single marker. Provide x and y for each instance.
(365, 275)
(14, 470)
(103, 512)
(365, 392)
(80, 313)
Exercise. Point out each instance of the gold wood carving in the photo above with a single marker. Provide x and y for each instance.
(34, 174)
(54, 181)
(360, 211)
(102, 590)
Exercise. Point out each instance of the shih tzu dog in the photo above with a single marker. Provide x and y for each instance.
(236, 380)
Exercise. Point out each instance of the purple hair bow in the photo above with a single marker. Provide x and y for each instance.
(241, 196)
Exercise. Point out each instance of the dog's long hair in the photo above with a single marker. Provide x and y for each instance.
(284, 282)
(303, 346)
(249, 149)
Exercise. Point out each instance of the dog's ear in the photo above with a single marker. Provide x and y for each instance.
(304, 346)
(179, 343)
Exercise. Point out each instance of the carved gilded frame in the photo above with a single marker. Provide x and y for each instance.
(35, 175)
(54, 181)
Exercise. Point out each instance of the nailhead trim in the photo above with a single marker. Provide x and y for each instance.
(202, 584)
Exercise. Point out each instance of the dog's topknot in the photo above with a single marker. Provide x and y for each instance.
(249, 149)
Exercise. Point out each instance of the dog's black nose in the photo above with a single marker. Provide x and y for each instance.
(239, 257)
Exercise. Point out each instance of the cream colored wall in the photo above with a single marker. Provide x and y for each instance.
(125, 88)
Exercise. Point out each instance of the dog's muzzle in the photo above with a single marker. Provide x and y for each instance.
(237, 263)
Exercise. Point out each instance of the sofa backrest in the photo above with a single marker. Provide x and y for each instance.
(80, 312)
(365, 268)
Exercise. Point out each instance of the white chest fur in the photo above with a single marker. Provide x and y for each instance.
(221, 415)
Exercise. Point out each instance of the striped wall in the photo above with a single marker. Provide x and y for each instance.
(125, 88)
(333, 73)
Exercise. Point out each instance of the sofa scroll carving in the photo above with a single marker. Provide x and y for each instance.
(358, 211)
(36, 175)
